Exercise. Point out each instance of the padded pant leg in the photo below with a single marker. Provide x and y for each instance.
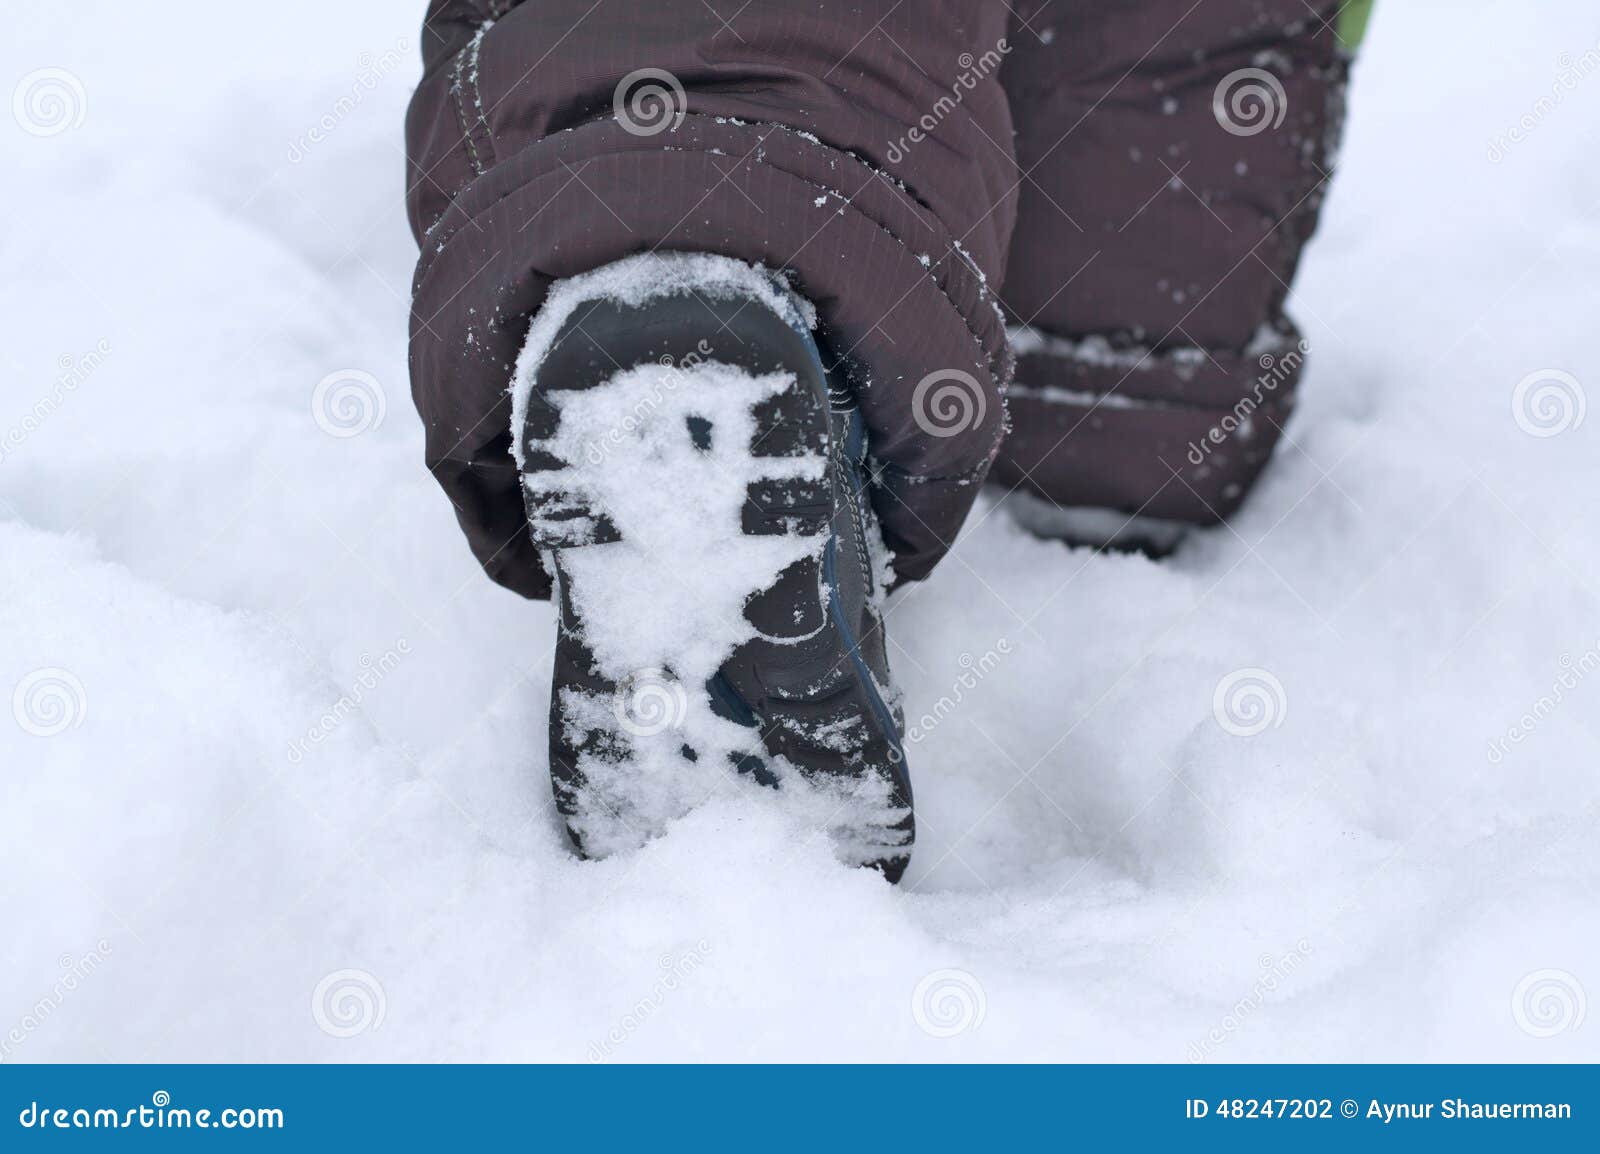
(1176, 156)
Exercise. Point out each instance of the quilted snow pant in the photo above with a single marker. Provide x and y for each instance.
(1105, 199)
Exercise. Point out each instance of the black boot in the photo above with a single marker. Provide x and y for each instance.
(701, 500)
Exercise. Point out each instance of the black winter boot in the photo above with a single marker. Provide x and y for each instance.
(700, 497)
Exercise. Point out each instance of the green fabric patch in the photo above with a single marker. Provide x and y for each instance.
(1353, 22)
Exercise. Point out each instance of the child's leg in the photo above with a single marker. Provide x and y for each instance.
(864, 149)
(1177, 155)
(694, 452)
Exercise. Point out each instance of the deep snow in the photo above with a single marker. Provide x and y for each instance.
(297, 806)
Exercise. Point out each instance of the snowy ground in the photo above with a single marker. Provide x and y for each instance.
(196, 572)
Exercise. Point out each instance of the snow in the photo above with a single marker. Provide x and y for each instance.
(200, 570)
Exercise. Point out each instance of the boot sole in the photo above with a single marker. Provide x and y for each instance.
(800, 683)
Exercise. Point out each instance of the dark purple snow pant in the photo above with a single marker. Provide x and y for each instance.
(1125, 185)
